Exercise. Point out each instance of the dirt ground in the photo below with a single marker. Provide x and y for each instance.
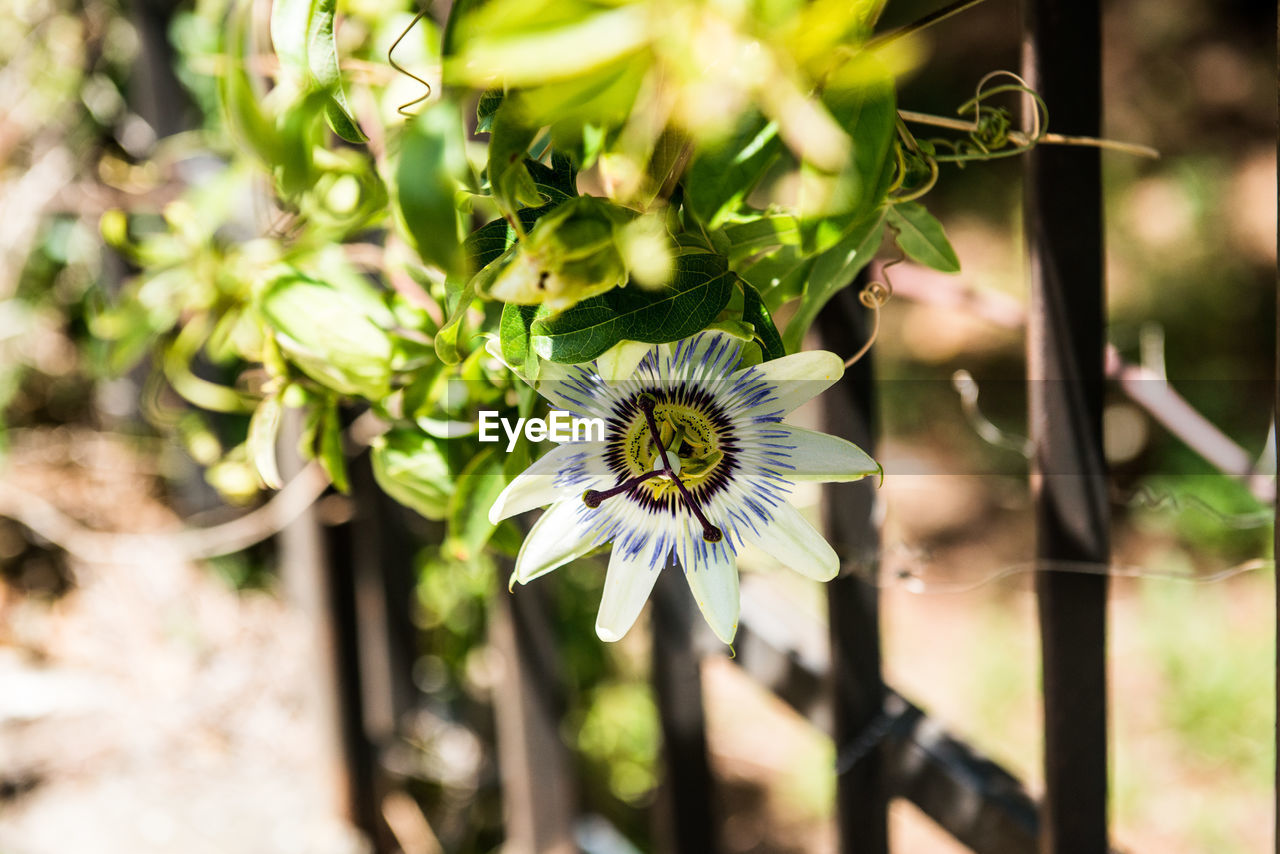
(151, 708)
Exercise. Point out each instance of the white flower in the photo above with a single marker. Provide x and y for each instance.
(716, 479)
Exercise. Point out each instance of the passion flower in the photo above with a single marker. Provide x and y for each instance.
(695, 465)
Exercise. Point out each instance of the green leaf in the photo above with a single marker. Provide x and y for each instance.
(422, 392)
(331, 454)
(779, 276)
(819, 235)
(129, 332)
(825, 27)
(450, 38)
(509, 141)
(832, 271)
(722, 174)
(302, 34)
(446, 340)
(490, 101)
(299, 127)
(482, 249)
(290, 30)
(515, 339)
(329, 334)
(478, 486)
(701, 287)
(669, 155)
(322, 56)
(921, 236)
(866, 108)
(757, 314)
(313, 408)
(557, 182)
(577, 110)
(744, 239)
(529, 44)
(242, 106)
(488, 242)
(433, 165)
(264, 427)
(413, 468)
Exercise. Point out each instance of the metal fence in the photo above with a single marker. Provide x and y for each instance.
(886, 747)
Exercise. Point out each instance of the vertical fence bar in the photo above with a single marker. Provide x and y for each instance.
(155, 91)
(686, 815)
(538, 792)
(1065, 339)
(862, 793)
(316, 576)
(360, 757)
(1275, 425)
(382, 557)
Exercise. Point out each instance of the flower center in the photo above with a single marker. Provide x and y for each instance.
(665, 456)
(692, 443)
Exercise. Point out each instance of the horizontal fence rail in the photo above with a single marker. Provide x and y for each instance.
(972, 798)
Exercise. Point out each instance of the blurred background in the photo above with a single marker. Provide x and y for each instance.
(150, 702)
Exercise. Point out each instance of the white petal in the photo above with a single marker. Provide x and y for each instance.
(824, 458)
(620, 361)
(577, 389)
(714, 584)
(554, 540)
(627, 586)
(544, 481)
(704, 356)
(792, 541)
(797, 378)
